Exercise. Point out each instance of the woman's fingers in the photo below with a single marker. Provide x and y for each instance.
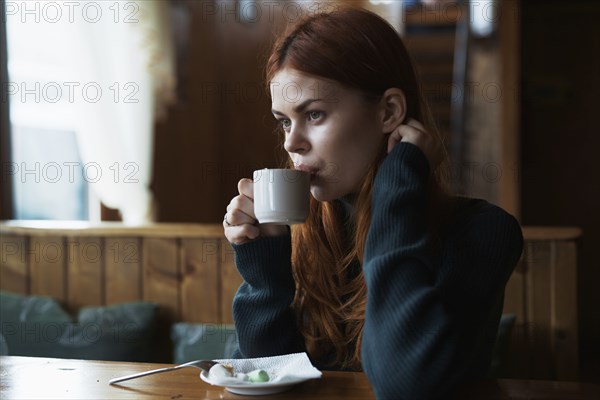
(241, 211)
(404, 132)
(415, 124)
(246, 187)
(408, 132)
(239, 226)
(414, 132)
(240, 234)
(240, 222)
(241, 208)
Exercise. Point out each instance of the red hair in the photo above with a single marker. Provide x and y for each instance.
(359, 50)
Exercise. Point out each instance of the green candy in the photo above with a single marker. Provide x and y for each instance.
(258, 375)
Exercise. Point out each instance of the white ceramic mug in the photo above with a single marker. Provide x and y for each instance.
(281, 196)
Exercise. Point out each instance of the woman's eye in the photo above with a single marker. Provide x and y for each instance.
(285, 123)
(315, 114)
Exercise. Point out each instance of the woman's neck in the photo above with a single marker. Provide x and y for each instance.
(349, 199)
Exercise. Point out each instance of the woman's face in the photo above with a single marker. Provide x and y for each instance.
(330, 131)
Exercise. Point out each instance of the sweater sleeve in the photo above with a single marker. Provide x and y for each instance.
(264, 321)
(429, 326)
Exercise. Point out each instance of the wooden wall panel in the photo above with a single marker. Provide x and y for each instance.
(564, 310)
(85, 266)
(515, 302)
(7, 205)
(200, 291)
(161, 280)
(123, 269)
(47, 257)
(230, 281)
(189, 270)
(14, 265)
(161, 274)
(539, 308)
(542, 291)
(564, 98)
(202, 147)
(509, 32)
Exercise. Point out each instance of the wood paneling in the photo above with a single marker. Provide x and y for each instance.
(509, 28)
(220, 128)
(6, 184)
(109, 229)
(565, 339)
(200, 292)
(48, 258)
(542, 292)
(161, 274)
(539, 306)
(14, 274)
(230, 281)
(85, 258)
(190, 271)
(123, 269)
(559, 143)
(515, 303)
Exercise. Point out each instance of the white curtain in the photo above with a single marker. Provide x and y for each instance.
(113, 62)
(129, 57)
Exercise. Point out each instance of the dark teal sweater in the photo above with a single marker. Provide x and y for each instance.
(431, 319)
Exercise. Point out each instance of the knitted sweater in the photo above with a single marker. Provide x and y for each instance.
(431, 320)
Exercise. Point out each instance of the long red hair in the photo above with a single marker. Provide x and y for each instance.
(360, 50)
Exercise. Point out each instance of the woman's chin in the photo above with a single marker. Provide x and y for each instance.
(322, 195)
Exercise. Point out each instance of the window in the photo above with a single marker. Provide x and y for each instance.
(49, 180)
(47, 175)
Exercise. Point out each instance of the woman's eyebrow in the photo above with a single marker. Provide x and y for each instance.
(299, 108)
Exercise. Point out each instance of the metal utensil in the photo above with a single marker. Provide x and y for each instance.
(200, 364)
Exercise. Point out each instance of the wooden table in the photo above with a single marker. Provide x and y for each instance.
(49, 378)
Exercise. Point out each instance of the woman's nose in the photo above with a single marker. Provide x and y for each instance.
(295, 141)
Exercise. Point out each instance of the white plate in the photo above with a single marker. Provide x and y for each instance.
(256, 389)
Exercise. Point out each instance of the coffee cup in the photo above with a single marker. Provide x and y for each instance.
(281, 196)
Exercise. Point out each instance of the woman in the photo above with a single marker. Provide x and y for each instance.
(390, 274)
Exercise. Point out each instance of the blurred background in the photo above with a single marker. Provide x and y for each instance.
(151, 111)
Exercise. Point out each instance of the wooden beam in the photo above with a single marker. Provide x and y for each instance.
(509, 33)
(6, 190)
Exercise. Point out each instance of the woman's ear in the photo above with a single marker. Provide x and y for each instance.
(393, 109)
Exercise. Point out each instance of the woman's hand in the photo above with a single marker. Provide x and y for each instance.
(414, 132)
(240, 222)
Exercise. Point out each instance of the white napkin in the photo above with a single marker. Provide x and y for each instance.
(281, 369)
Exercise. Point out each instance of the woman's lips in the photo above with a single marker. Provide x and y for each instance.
(313, 171)
(307, 168)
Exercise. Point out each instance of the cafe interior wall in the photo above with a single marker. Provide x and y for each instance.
(559, 172)
(552, 177)
(219, 130)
